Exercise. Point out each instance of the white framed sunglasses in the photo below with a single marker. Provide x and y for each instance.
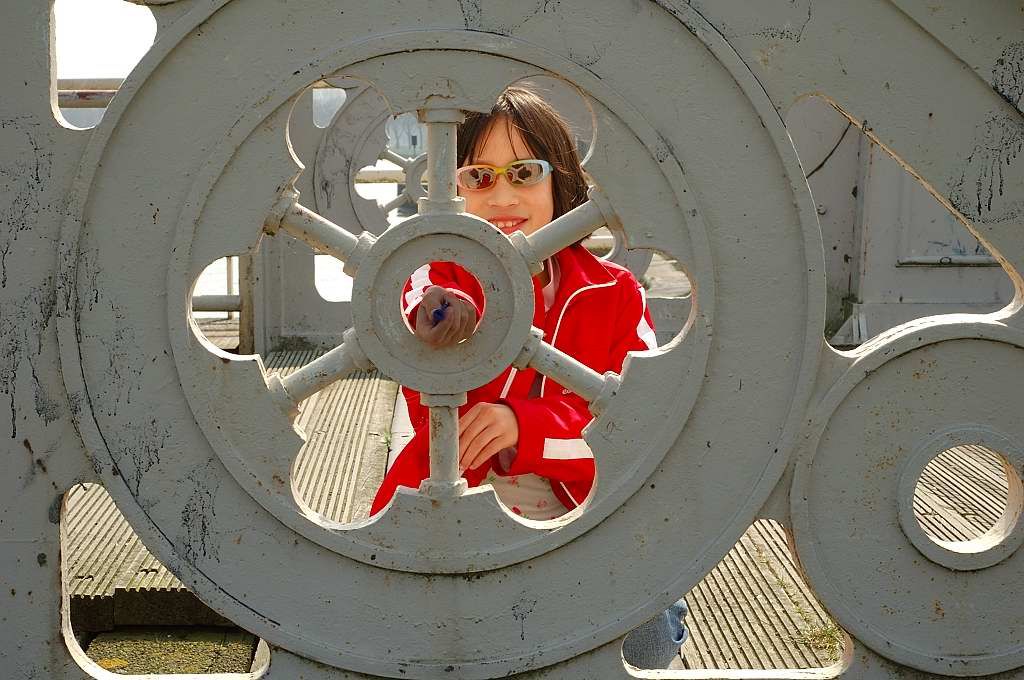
(521, 173)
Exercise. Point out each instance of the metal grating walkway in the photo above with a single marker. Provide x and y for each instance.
(102, 553)
(754, 611)
(954, 501)
(221, 332)
(751, 611)
(347, 430)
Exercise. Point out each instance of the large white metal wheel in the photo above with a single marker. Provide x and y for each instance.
(929, 386)
(208, 489)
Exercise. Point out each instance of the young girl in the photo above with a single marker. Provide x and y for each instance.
(521, 433)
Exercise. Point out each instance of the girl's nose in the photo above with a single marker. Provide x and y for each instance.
(502, 193)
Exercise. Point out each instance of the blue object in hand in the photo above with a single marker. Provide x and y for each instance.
(437, 316)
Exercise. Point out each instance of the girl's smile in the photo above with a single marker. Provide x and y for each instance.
(507, 223)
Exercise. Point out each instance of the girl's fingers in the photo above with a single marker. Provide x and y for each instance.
(501, 441)
(423, 325)
(433, 334)
(444, 326)
(487, 447)
(453, 314)
(467, 418)
(421, 317)
(425, 328)
(481, 435)
(471, 440)
(468, 321)
(456, 324)
(483, 431)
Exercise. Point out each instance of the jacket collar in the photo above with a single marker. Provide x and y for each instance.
(578, 269)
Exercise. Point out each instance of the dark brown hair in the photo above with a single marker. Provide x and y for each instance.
(546, 134)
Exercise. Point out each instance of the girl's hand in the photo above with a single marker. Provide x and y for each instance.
(484, 430)
(444, 318)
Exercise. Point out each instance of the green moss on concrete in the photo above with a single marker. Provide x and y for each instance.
(173, 650)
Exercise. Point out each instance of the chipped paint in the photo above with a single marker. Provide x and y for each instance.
(984, 189)
(1008, 74)
(197, 517)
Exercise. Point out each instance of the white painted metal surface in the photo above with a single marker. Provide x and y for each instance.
(914, 258)
(106, 230)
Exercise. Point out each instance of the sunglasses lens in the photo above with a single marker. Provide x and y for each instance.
(476, 177)
(526, 172)
(519, 173)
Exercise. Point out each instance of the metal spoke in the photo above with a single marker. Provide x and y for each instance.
(560, 233)
(317, 231)
(441, 161)
(324, 371)
(568, 372)
(397, 201)
(442, 151)
(399, 160)
(445, 477)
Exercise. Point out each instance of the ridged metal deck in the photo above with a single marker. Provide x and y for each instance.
(751, 611)
(221, 332)
(958, 502)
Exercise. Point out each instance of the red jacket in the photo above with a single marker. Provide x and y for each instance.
(598, 315)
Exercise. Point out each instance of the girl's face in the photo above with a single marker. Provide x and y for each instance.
(508, 207)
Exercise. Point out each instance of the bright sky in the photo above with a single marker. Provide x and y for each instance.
(101, 38)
